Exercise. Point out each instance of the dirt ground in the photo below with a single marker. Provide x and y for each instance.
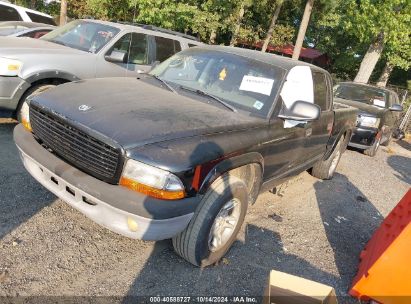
(315, 229)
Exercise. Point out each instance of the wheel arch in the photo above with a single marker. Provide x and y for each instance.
(346, 132)
(248, 167)
(46, 77)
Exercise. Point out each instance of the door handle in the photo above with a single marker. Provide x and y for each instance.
(308, 132)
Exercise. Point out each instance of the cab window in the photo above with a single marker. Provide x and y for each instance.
(9, 14)
(40, 18)
(320, 90)
(166, 48)
(134, 45)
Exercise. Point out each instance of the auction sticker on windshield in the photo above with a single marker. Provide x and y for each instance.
(257, 84)
(379, 103)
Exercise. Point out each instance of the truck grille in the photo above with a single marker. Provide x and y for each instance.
(83, 151)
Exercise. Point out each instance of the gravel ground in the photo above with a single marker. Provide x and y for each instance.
(314, 229)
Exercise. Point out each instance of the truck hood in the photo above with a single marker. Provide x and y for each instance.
(363, 107)
(13, 47)
(134, 113)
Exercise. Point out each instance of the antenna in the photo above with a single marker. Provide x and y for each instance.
(131, 39)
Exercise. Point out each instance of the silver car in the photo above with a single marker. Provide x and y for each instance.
(82, 49)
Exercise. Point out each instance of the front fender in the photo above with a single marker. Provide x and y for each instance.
(228, 164)
(53, 74)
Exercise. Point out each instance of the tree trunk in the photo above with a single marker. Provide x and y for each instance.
(303, 29)
(272, 24)
(63, 12)
(237, 25)
(385, 75)
(213, 36)
(370, 60)
(33, 4)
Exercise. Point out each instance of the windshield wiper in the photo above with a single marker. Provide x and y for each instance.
(165, 83)
(200, 92)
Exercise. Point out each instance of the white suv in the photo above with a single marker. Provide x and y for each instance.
(11, 12)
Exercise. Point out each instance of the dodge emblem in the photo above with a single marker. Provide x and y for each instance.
(84, 108)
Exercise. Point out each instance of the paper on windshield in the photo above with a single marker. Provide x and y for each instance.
(379, 103)
(257, 84)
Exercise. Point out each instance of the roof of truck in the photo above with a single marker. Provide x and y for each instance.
(132, 26)
(277, 60)
(367, 85)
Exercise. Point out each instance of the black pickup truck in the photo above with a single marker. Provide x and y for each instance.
(379, 110)
(182, 151)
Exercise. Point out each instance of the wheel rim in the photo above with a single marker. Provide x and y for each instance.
(224, 225)
(334, 162)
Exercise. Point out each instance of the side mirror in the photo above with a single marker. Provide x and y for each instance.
(396, 107)
(116, 57)
(301, 111)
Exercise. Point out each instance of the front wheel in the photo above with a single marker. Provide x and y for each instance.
(215, 224)
(33, 91)
(388, 141)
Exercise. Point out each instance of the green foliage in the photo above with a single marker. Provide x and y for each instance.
(366, 19)
(344, 29)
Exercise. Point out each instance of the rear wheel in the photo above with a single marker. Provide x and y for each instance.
(374, 148)
(215, 224)
(325, 169)
(388, 141)
(33, 91)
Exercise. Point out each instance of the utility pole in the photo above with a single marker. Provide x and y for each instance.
(63, 12)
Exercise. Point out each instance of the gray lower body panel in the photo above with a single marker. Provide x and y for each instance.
(11, 90)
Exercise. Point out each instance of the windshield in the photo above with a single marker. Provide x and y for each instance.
(83, 35)
(11, 29)
(243, 83)
(364, 94)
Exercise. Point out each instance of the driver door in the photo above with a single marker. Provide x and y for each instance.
(135, 46)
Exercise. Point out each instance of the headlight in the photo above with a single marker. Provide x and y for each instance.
(25, 116)
(10, 67)
(367, 121)
(151, 181)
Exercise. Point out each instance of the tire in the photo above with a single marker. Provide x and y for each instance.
(374, 148)
(388, 141)
(197, 243)
(33, 91)
(325, 169)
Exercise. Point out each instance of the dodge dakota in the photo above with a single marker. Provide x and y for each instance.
(378, 114)
(180, 152)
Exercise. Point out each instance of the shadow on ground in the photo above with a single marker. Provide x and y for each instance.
(347, 229)
(402, 166)
(21, 196)
(166, 274)
(404, 144)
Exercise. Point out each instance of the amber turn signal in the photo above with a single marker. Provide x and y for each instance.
(150, 191)
(26, 124)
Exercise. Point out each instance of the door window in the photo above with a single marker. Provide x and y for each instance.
(134, 45)
(320, 90)
(35, 34)
(40, 18)
(9, 14)
(165, 48)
